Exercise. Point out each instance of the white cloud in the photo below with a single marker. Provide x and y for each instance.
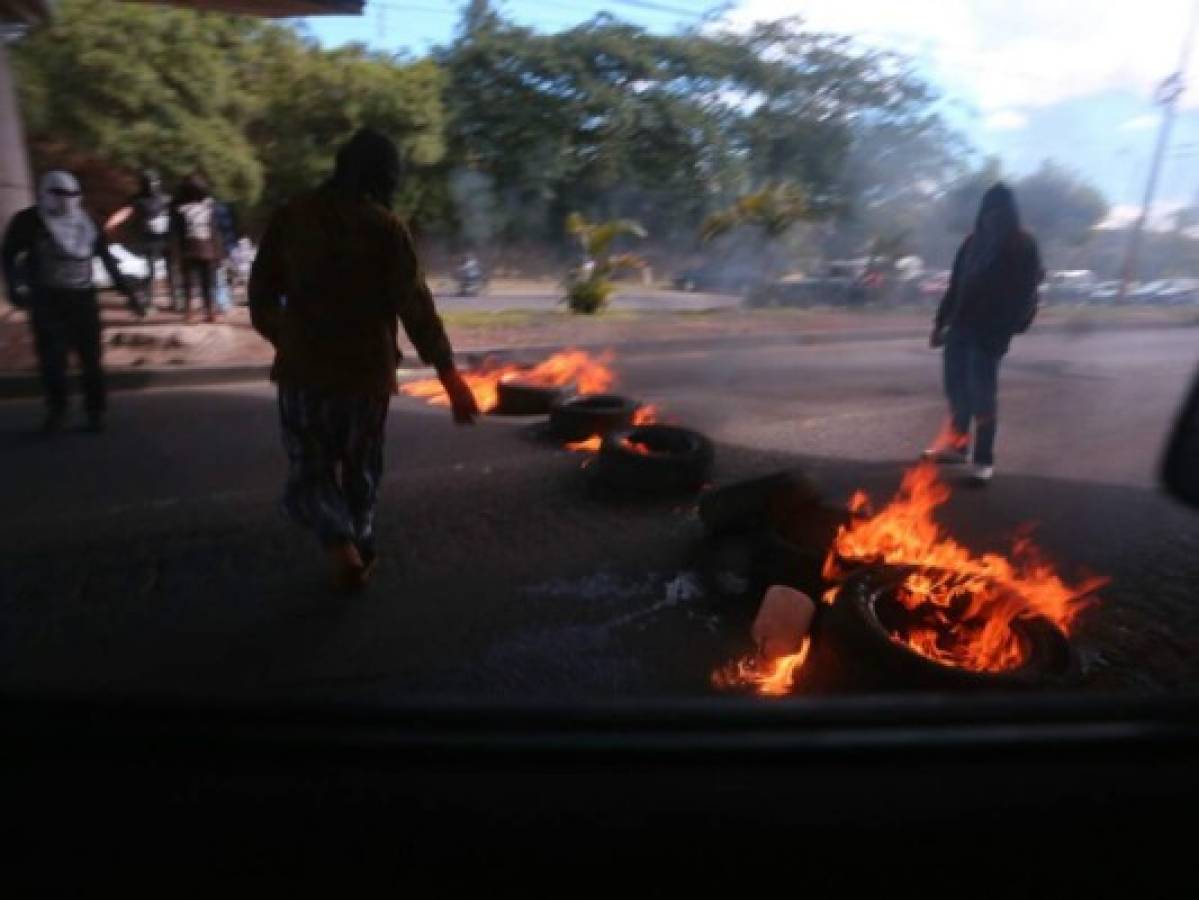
(1141, 123)
(1005, 120)
(1012, 54)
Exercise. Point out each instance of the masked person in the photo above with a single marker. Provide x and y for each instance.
(992, 296)
(47, 255)
(147, 217)
(335, 271)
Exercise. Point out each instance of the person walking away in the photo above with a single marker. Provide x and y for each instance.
(147, 217)
(198, 242)
(335, 270)
(47, 257)
(992, 296)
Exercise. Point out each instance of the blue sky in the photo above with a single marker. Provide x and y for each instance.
(421, 24)
(1023, 79)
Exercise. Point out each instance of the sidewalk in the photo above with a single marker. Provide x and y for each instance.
(162, 351)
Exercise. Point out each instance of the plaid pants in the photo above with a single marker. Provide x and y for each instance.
(334, 444)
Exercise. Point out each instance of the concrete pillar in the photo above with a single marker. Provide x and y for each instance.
(16, 182)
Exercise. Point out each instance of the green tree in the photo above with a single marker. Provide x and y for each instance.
(257, 106)
(310, 101)
(145, 87)
(617, 122)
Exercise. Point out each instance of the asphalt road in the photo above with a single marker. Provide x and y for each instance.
(152, 558)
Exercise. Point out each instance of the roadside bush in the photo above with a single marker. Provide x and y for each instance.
(590, 296)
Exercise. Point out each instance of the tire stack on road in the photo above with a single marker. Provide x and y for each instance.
(638, 459)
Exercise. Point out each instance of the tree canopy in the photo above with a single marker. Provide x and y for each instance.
(506, 131)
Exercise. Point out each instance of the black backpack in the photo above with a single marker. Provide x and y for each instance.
(153, 216)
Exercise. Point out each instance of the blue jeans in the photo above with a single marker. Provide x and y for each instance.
(972, 386)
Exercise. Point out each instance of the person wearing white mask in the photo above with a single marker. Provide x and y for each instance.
(47, 258)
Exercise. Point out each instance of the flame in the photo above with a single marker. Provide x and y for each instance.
(949, 438)
(963, 604)
(591, 445)
(770, 678)
(645, 415)
(592, 374)
(635, 446)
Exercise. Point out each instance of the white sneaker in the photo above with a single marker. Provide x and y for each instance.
(982, 474)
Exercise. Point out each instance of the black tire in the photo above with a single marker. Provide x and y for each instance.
(857, 637)
(766, 501)
(521, 398)
(580, 417)
(679, 460)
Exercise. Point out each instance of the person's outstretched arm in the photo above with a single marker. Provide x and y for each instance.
(117, 219)
(119, 281)
(413, 303)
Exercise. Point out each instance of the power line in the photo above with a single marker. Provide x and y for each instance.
(658, 7)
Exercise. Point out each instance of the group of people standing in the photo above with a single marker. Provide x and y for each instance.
(47, 256)
(191, 236)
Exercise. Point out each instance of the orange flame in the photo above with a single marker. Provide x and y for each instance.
(592, 374)
(949, 438)
(770, 678)
(963, 604)
(635, 446)
(591, 445)
(645, 415)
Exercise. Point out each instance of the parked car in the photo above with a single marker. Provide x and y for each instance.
(933, 287)
(1105, 292)
(1069, 286)
(1179, 290)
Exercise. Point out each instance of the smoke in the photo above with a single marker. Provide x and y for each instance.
(473, 194)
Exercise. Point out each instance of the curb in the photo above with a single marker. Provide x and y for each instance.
(28, 384)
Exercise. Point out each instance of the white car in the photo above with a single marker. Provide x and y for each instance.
(135, 268)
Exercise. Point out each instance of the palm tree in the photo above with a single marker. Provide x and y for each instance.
(590, 285)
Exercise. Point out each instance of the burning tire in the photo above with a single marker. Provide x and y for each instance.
(577, 418)
(524, 398)
(655, 459)
(859, 642)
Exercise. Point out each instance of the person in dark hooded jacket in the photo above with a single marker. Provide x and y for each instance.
(992, 296)
(335, 274)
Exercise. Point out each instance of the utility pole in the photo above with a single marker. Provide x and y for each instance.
(1166, 97)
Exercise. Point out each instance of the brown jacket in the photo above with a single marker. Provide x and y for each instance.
(332, 275)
